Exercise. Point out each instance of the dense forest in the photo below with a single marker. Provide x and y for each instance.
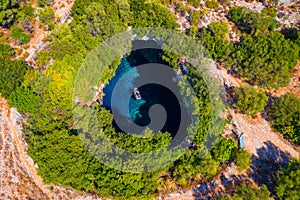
(263, 57)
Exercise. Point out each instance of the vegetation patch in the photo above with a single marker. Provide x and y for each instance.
(285, 118)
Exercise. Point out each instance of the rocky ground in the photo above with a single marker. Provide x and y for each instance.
(37, 43)
(18, 175)
(288, 11)
(270, 152)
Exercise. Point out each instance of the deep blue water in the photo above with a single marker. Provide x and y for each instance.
(151, 93)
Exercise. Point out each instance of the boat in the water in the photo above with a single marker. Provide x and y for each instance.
(137, 94)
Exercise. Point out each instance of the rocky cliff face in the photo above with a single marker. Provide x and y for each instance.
(18, 175)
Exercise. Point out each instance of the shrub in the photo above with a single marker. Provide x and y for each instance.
(249, 192)
(219, 29)
(19, 34)
(223, 149)
(285, 117)
(24, 100)
(212, 4)
(195, 17)
(242, 159)
(250, 100)
(288, 182)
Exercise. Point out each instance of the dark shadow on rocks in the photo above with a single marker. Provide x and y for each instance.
(266, 165)
(263, 170)
(267, 109)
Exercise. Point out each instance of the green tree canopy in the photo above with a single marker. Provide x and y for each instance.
(11, 75)
(8, 12)
(217, 47)
(248, 192)
(264, 59)
(6, 51)
(7, 4)
(12, 11)
(195, 17)
(242, 159)
(195, 3)
(293, 35)
(250, 21)
(212, 4)
(250, 100)
(236, 13)
(223, 149)
(193, 31)
(151, 15)
(288, 182)
(24, 99)
(219, 29)
(19, 35)
(285, 116)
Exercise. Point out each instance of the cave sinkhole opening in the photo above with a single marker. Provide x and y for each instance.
(151, 93)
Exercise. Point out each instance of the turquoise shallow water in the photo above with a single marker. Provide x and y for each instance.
(151, 93)
(134, 104)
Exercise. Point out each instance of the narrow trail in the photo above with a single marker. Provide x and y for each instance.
(270, 151)
(18, 175)
(62, 10)
(258, 132)
(19, 178)
(17, 134)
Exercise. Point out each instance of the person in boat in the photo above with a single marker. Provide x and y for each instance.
(137, 94)
(184, 69)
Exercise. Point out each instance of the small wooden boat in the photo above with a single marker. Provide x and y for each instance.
(137, 94)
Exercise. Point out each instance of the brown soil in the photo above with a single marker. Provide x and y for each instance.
(270, 152)
(18, 175)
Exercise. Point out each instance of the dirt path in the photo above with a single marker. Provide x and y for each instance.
(28, 52)
(18, 175)
(62, 10)
(258, 132)
(18, 148)
(270, 153)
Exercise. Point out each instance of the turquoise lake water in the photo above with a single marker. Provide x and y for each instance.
(151, 93)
